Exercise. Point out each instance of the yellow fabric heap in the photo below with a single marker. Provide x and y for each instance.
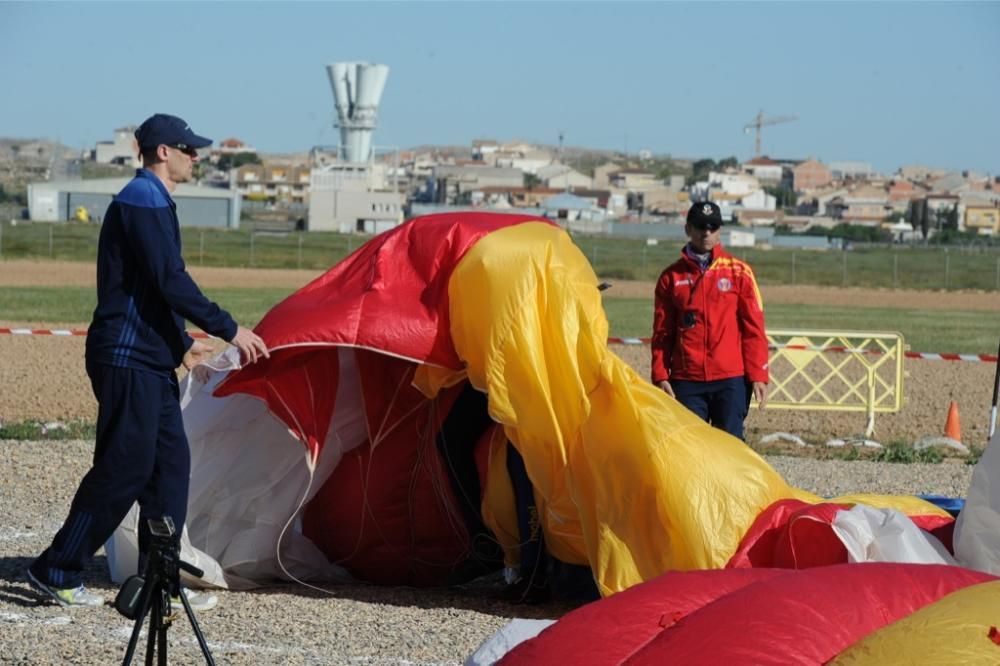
(953, 630)
(628, 480)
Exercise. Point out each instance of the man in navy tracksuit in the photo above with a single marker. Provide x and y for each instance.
(134, 345)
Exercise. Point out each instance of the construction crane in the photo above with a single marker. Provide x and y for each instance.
(761, 121)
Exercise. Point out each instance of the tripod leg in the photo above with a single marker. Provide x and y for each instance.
(165, 620)
(157, 638)
(197, 630)
(154, 626)
(146, 596)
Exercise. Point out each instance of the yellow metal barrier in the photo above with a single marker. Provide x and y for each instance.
(847, 371)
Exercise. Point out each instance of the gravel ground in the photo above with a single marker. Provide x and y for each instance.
(287, 624)
(358, 624)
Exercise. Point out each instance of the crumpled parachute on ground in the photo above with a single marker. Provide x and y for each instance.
(328, 461)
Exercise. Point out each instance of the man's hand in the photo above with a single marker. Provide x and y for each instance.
(197, 353)
(760, 390)
(250, 344)
(667, 388)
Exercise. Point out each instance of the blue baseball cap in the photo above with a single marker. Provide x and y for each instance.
(168, 130)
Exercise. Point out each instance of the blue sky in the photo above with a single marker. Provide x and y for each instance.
(886, 83)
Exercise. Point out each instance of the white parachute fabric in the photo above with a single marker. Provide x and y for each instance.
(886, 535)
(506, 639)
(977, 530)
(249, 477)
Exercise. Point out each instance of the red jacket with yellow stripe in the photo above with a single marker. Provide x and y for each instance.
(708, 324)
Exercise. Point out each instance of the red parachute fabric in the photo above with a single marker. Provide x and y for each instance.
(300, 388)
(396, 518)
(387, 513)
(796, 535)
(611, 630)
(390, 296)
(803, 616)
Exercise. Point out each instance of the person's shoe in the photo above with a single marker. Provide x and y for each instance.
(199, 601)
(74, 596)
(526, 592)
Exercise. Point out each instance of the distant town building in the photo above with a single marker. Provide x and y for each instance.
(602, 174)
(273, 183)
(351, 197)
(57, 201)
(634, 180)
(851, 170)
(919, 172)
(764, 170)
(563, 176)
(566, 206)
(863, 205)
(482, 149)
(451, 182)
(234, 146)
(809, 175)
(123, 149)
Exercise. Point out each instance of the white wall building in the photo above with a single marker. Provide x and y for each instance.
(197, 206)
(353, 198)
(562, 176)
(123, 149)
(729, 184)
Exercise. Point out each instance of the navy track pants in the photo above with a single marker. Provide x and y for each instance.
(141, 455)
(724, 402)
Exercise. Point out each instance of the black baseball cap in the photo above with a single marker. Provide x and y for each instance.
(168, 130)
(704, 214)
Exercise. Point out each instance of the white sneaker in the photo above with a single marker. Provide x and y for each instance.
(74, 596)
(199, 601)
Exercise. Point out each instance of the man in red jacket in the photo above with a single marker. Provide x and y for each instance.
(709, 346)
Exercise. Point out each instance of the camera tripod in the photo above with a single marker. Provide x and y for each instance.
(140, 596)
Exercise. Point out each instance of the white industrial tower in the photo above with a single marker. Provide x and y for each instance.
(357, 90)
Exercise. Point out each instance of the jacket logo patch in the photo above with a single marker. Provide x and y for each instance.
(724, 284)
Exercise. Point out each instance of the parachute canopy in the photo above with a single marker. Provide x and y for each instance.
(396, 380)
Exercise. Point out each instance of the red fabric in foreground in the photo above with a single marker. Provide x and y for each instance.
(808, 616)
(610, 630)
(742, 616)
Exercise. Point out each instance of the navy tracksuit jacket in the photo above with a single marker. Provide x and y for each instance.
(134, 344)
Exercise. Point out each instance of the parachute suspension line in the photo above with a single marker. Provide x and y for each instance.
(299, 430)
(310, 462)
(383, 430)
(425, 439)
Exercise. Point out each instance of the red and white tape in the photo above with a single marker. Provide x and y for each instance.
(927, 356)
(70, 332)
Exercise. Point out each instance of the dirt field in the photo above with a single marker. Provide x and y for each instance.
(44, 379)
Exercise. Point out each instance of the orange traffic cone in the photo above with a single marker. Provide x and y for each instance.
(953, 426)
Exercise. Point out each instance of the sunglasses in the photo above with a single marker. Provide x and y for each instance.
(186, 149)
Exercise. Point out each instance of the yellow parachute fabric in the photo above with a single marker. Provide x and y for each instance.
(953, 630)
(628, 480)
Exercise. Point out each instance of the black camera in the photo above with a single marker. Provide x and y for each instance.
(689, 319)
(161, 527)
(153, 592)
(163, 556)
